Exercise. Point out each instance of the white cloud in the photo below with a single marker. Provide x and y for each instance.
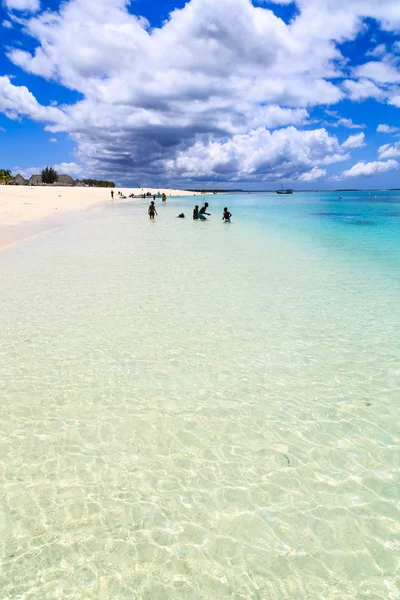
(387, 129)
(342, 121)
(53, 141)
(213, 71)
(378, 71)
(376, 79)
(2, 129)
(389, 150)
(362, 169)
(349, 124)
(385, 11)
(354, 141)
(272, 117)
(23, 5)
(259, 155)
(17, 102)
(7, 24)
(26, 172)
(362, 89)
(206, 49)
(312, 175)
(71, 168)
(331, 159)
(378, 51)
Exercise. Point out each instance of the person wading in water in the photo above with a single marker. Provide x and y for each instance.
(152, 210)
(203, 212)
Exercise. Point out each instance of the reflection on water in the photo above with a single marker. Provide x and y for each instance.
(190, 410)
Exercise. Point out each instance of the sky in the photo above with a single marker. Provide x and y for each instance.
(208, 93)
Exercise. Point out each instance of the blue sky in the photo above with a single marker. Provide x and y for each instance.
(227, 93)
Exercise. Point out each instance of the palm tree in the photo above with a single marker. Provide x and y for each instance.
(5, 176)
(49, 175)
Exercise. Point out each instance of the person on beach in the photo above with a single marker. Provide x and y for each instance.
(164, 197)
(227, 215)
(112, 194)
(152, 210)
(196, 212)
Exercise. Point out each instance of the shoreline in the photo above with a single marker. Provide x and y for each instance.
(27, 211)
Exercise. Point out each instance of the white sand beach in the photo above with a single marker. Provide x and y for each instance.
(28, 210)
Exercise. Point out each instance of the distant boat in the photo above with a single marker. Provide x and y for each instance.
(282, 191)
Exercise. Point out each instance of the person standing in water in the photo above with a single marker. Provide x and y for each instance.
(227, 215)
(196, 213)
(152, 210)
(203, 211)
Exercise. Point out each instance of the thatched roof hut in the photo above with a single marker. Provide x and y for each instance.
(35, 180)
(18, 180)
(65, 180)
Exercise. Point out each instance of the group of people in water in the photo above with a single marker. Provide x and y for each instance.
(198, 215)
(163, 196)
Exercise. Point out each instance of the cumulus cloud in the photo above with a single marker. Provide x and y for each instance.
(259, 155)
(349, 124)
(379, 79)
(362, 89)
(23, 5)
(342, 121)
(386, 11)
(378, 71)
(7, 24)
(71, 168)
(53, 141)
(378, 51)
(18, 101)
(214, 72)
(363, 169)
(313, 175)
(389, 150)
(387, 129)
(354, 141)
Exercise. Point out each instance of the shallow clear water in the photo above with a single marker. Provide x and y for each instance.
(201, 410)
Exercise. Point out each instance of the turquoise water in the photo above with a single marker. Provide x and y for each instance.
(201, 410)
